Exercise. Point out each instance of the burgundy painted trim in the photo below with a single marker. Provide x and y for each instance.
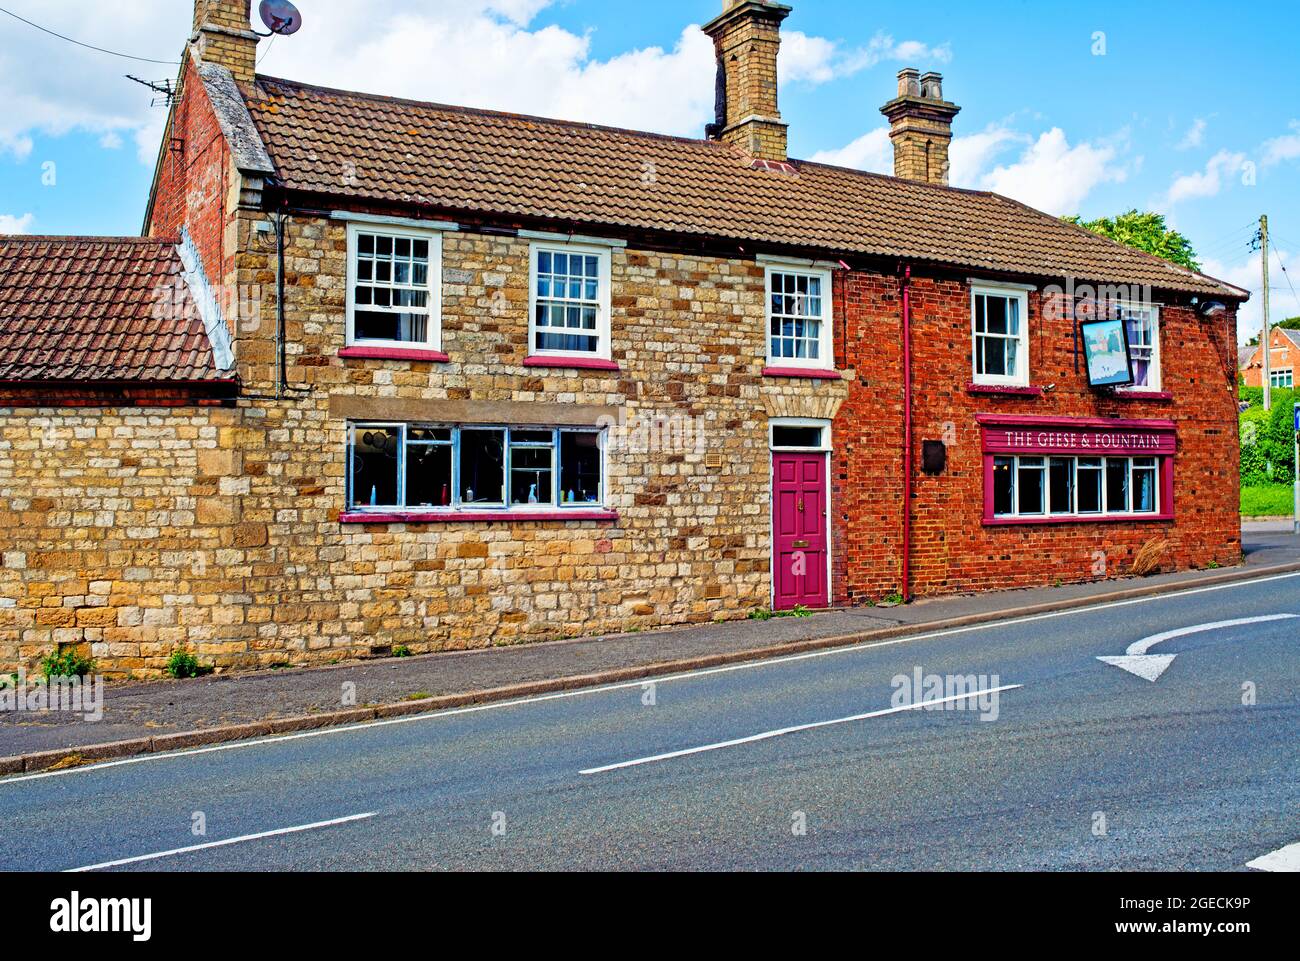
(1025, 420)
(1167, 512)
(811, 373)
(475, 517)
(1144, 395)
(572, 363)
(1072, 519)
(907, 434)
(1007, 389)
(394, 353)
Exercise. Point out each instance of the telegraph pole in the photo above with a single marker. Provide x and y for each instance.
(1267, 342)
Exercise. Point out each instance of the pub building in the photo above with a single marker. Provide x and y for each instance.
(417, 433)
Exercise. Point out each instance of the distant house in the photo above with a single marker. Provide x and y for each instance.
(1284, 356)
(456, 378)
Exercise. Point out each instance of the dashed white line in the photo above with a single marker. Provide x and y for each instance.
(221, 844)
(1286, 859)
(687, 675)
(768, 735)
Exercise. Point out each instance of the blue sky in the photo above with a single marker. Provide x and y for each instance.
(1090, 108)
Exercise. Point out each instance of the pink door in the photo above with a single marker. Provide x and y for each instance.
(799, 531)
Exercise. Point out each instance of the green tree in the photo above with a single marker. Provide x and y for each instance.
(1291, 323)
(1144, 231)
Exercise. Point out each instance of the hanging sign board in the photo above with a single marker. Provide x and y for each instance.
(1106, 353)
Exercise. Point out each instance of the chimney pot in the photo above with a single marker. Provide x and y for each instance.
(920, 126)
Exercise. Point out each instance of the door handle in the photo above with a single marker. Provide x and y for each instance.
(800, 505)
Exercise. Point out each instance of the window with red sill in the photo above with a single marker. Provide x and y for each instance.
(1065, 470)
(396, 469)
(394, 300)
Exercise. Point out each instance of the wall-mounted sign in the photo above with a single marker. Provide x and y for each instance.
(1106, 353)
(1086, 442)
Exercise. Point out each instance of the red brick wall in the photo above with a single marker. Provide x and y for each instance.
(952, 550)
(194, 179)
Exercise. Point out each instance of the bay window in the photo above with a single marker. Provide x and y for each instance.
(1000, 336)
(394, 287)
(433, 468)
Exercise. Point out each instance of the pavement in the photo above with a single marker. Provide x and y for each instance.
(282, 701)
(809, 762)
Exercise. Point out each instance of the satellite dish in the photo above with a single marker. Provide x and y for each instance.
(280, 16)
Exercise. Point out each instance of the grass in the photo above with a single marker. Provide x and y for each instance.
(1270, 501)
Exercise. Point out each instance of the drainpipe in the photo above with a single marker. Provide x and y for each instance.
(281, 372)
(907, 434)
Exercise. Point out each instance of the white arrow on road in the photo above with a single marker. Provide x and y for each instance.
(1137, 661)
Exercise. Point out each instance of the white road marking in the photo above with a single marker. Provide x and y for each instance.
(769, 735)
(685, 676)
(1287, 859)
(1137, 661)
(226, 843)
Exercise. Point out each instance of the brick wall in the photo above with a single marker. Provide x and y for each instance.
(1283, 355)
(195, 180)
(952, 550)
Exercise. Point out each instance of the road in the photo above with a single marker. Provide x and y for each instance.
(1086, 766)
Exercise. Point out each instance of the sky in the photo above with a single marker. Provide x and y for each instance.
(1188, 108)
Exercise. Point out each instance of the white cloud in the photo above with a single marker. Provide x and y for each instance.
(16, 225)
(1204, 183)
(1054, 176)
(485, 53)
(971, 155)
(872, 151)
(1286, 147)
(1195, 135)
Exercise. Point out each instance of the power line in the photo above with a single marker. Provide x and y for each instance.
(114, 53)
(1287, 275)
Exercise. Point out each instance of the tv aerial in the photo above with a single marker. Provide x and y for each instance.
(281, 18)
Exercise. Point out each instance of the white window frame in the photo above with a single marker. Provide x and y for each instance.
(433, 338)
(1154, 380)
(557, 501)
(825, 341)
(1007, 292)
(1276, 378)
(604, 347)
(1104, 473)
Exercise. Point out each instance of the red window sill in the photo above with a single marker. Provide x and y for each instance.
(811, 373)
(573, 363)
(475, 517)
(1006, 389)
(1101, 519)
(394, 353)
(1144, 394)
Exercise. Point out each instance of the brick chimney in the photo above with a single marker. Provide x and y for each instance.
(921, 127)
(747, 38)
(223, 33)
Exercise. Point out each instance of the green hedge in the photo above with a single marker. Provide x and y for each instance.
(1267, 438)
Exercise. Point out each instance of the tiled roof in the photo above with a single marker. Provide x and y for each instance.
(1244, 355)
(98, 309)
(356, 146)
(1291, 335)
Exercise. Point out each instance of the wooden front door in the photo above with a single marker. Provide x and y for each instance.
(799, 528)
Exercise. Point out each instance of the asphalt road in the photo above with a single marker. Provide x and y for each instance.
(1180, 773)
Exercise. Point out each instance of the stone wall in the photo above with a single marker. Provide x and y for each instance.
(220, 529)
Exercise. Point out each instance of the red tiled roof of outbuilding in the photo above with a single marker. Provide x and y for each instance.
(98, 309)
